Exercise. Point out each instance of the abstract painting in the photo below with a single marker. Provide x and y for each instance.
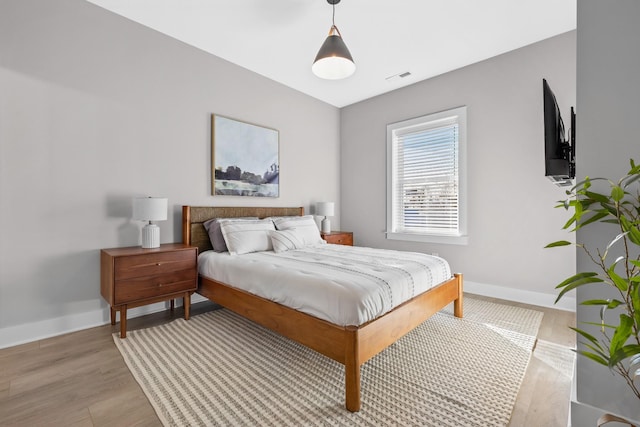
(245, 159)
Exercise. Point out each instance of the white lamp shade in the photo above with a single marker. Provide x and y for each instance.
(325, 209)
(150, 208)
(333, 68)
(334, 60)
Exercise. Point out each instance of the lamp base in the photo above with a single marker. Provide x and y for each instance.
(150, 236)
(326, 225)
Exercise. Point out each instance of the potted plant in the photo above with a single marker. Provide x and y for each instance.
(617, 343)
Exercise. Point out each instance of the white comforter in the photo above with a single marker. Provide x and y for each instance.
(345, 285)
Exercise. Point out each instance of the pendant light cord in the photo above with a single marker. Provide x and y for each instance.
(333, 17)
(333, 21)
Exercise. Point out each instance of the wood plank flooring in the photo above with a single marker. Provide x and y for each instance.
(80, 379)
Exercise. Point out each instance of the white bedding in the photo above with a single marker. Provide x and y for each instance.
(345, 285)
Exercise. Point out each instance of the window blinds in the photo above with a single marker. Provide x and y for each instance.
(425, 161)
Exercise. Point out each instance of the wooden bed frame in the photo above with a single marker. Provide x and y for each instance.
(351, 345)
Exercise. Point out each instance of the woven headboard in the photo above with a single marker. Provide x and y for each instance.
(194, 234)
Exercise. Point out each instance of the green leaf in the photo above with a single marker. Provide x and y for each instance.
(623, 353)
(609, 303)
(576, 277)
(599, 325)
(577, 214)
(635, 302)
(604, 355)
(588, 336)
(635, 297)
(596, 302)
(611, 209)
(574, 219)
(611, 221)
(622, 333)
(617, 193)
(596, 217)
(614, 303)
(600, 198)
(620, 283)
(569, 223)
(558, 243)
(577, 283)
(594, 357)
(634, 233)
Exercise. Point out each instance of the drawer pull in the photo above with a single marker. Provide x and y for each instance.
(158, 264)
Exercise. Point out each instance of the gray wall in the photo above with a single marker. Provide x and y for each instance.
(94, 110)
(511, 203)
(608, 129)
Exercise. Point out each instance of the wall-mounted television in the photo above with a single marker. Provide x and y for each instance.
(559, 150)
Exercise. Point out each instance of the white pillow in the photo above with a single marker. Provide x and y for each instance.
(305, 225)
(243, 237)
(215, 233)
(286, 240)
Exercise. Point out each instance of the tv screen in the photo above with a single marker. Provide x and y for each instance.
(559, 151)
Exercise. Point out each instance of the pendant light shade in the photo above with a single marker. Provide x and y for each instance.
(333, 60)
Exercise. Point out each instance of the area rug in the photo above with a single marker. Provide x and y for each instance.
(219, 369)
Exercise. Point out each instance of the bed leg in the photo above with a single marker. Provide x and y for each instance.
(352, 370)
(457, 304)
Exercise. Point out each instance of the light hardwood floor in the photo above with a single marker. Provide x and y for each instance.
(80, 379)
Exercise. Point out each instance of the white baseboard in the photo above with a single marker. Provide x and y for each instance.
(567, 303)
(196, 298)
(34, 331)
(28, 332)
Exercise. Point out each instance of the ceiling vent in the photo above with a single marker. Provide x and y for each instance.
(398, 76)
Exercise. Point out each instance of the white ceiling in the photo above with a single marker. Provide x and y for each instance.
(280, 38)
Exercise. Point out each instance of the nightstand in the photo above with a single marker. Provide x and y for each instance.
(338, 237)
(134, 276)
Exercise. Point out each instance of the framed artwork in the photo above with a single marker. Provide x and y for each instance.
(245, 159)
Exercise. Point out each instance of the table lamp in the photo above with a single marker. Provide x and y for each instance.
(150, 209)
(325, 209)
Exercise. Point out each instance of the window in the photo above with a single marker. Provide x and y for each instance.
(426, 185)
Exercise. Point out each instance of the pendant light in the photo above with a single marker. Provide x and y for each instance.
(334, 60)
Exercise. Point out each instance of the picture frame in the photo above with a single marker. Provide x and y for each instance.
(245, 159)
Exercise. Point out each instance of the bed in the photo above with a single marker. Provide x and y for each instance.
(349, 345)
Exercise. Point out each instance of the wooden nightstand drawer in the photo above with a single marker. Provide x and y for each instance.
(338, 237)
(135, 276)
(153, 263)
(145, 287)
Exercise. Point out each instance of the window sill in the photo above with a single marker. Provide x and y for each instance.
(429, 238)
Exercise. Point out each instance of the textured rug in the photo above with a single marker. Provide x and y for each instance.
(220, 369)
